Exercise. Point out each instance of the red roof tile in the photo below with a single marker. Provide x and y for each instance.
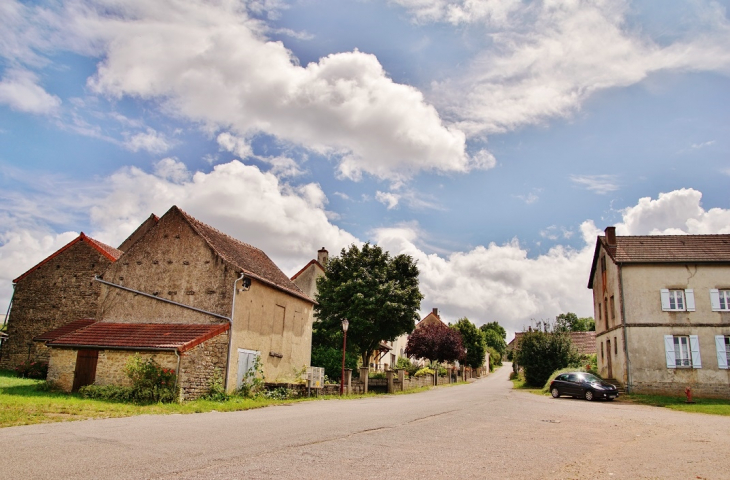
(664, 249)
(110, 253)
(251, 260)
(64, 330)
(148, 336)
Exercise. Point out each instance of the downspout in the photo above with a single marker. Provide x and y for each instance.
(623, 322)
(177, 371)
(230, 331)
(10, 305)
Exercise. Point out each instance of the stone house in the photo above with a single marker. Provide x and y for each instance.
(56, 291)
(198, 301)
(306, 278)
(662, 310)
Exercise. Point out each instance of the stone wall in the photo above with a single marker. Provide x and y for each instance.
(702, 390)
(61, 367)
(58, 292)
(198, 367)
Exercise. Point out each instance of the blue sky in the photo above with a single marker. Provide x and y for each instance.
(490, 140)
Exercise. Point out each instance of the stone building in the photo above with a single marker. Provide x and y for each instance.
(306, 278)
(197, 300)
(56, 291)
(662, 310)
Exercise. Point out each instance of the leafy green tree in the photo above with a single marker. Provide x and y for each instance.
(435, 342)
(378, 294)
(331, 359)
(473, 341)
(569, 322)
(541, 353)
(496, 342)
(496, 327)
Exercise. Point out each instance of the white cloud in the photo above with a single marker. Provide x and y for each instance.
(173, 170)
(697, 146)
(19, 90)
(389, 199)
(281, 166)
(150, 141)
(545, 58)
(212, 64)
(600, 184)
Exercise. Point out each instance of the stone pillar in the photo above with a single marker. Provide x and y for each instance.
(348, 381)
(402, 378)
(364, 371)
(389, 376)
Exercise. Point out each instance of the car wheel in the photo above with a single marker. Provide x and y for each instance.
(589, 395)
(555, 392)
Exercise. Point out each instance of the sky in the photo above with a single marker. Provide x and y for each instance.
(491, 140)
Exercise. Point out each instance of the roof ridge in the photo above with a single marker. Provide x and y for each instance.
(195, 220)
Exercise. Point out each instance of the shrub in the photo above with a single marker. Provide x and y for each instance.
(279, 393)
(150, 381)
(253, 381)
(108, 392)
(410, 367)
(423, 371)
(216, 388)
(541, 353)
(331, 359)
(32, 369)
(376, 375)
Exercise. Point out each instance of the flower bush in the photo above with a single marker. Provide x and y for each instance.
(150, 381)
(32, 369)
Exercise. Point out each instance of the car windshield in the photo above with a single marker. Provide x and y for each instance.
(590, 378)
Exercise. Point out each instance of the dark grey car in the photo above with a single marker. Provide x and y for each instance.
(582, 385)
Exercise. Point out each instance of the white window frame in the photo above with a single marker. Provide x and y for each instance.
(720, 300)
(673, 345)
(677, 300)
(722, 345)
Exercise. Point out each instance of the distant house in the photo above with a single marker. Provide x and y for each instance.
(194, 299)
(662, 309)
(306, 278)
(56, 291)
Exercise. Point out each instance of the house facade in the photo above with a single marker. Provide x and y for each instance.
(196, 300)
(662, 310)
(56, 291)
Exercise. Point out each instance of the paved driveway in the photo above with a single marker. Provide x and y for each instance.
(481, 430)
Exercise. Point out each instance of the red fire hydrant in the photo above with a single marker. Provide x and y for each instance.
(688, 392)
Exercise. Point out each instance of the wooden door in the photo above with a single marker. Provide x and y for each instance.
(608, 357)
(85, 372)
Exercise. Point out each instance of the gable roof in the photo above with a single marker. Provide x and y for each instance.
(139, 232)
(311, 262)
(111, 253)
(637, 249)
(140, 336)
(252, 261)
(64, 330)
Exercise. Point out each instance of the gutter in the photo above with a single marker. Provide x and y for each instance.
(10, 305)
(230, 331)
(623, 323)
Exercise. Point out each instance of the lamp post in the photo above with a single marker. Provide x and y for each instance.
(345, 324)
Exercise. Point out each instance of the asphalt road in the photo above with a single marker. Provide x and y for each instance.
(481, 430)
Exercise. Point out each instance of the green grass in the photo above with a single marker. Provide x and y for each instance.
(520, 384)
(711, 406)
(24, 403)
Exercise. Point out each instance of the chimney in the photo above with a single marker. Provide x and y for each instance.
(323, 256)
(610, 236)
(436, 311)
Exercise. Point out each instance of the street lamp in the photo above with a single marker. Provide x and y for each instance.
(345, 324)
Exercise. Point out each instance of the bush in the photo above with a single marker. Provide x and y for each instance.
(376, 375)
(216, 388)
(423, 371)
(108, 392)
(279, 393)
(331, 359)
(253, 381)
(495, 358)
(32, 369)
(410, 367)
(151, 383)
(542, 353)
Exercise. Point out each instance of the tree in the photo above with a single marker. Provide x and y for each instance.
(541, 353)
(473, 341)
(377, 294)
(435, 342)
(496, 327)
(569, 322)
(493, 340)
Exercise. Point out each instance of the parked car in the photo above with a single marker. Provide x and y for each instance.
(582, 385)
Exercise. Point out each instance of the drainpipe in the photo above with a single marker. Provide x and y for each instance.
(10, 305)
(177, 372)
(230, 331)
(625, 333)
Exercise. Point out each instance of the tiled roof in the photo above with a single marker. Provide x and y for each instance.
(251, 260)
(109, 252)
(132, 336)
(664, 249)
(64, 330)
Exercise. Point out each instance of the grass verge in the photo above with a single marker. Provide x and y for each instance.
(710, 406)
(519, 383)
(24, 403)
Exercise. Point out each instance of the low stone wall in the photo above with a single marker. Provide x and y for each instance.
(199, 364)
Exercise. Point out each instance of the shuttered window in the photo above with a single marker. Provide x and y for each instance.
(722, 343)
(682, 351)
(720, 300)
(677, 300)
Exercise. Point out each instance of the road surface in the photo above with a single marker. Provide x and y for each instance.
(482, 430)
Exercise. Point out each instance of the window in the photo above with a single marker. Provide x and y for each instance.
(615, 346)
(676, 300)
(613, 308)
(600, 317)
(720, 300)
(605, 311)
(722, 342)
(682, 351)
(602, 351)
